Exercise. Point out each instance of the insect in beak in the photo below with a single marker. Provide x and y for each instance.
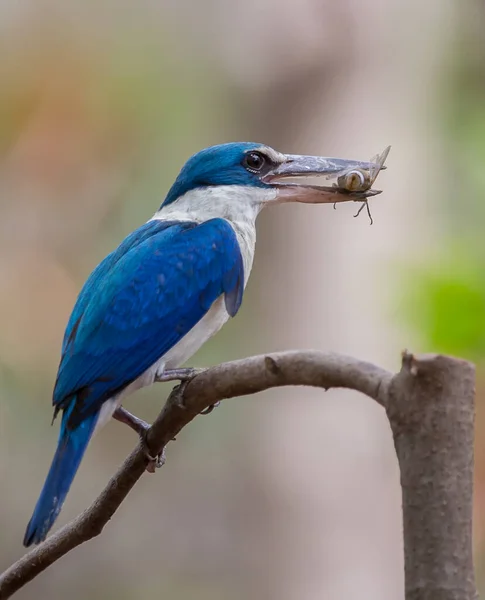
(354, 179)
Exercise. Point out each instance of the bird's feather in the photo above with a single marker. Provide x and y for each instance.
(70, 450)
(139, 303)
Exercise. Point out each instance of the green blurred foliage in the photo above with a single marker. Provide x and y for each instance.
(446, 303)
(446, 292)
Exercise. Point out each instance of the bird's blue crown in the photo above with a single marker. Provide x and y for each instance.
(234, 163)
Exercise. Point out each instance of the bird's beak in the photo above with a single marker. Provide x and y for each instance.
(296, 166)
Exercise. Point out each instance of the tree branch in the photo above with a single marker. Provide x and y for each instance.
(238, 378)
(431, 411)
(430, 408)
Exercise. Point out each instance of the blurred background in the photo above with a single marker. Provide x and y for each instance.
(293, 494)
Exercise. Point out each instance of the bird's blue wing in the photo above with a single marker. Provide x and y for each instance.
(138, 236)
(140, 302)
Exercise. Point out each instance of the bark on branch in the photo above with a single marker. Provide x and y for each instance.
(430, 405)
(431, 410)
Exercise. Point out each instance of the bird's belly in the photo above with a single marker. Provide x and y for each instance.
(186, 347)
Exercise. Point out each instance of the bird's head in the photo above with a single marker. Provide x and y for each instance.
(252, 173)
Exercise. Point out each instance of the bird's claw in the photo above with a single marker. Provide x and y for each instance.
(177, 394)
(177, 398)
(154, 462)
(209, 409)
(185, 374)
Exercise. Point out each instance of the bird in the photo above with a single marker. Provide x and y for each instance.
(164, 291)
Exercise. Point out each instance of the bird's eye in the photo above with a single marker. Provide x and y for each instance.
(254, 161)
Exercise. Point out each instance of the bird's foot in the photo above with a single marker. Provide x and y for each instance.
(177, 397)
(141, 427)
(154, 462)
(209, 409)
(184, 376)
(178, 374)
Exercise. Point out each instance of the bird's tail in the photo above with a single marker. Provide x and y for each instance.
(70, 450)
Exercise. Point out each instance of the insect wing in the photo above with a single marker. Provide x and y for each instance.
(379, 161)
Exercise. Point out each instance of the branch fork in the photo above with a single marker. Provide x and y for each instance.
(430, 406)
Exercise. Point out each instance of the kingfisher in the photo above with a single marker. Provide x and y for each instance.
(168, 287)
